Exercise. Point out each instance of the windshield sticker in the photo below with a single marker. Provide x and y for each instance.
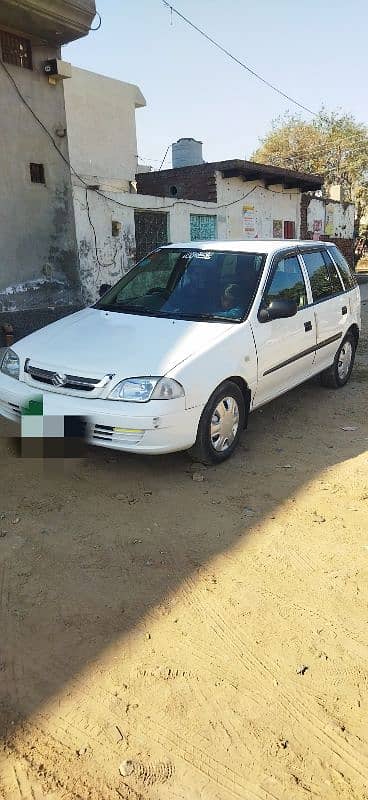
(205, 254)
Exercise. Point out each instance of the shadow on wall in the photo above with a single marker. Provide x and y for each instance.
(72, 577)
(32, 304)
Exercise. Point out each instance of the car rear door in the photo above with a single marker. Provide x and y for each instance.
(285, 347)
(330, 306)
(350, 283)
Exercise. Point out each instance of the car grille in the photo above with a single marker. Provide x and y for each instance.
(64, 381)
(122, 436)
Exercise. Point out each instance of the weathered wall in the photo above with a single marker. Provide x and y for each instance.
(204, 183)
(329, 220)
(100, 116)
(39, 259)
(116, 254)
(252, 217)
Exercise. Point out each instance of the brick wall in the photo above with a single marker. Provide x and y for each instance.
(191, 183)
(304, 203)
(345, 245)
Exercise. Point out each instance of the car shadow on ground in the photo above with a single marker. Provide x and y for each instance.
(90, 546)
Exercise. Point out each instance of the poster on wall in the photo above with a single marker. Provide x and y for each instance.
(249, 223)
(277, 229)
(317, 229)
(329, 224)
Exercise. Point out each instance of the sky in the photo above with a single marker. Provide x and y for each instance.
(315, 52)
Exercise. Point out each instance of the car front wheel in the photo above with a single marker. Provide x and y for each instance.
(221, 424)
(339, 373)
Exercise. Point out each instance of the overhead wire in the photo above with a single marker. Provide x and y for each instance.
(237, 60)
(88, 186)
(164, 158)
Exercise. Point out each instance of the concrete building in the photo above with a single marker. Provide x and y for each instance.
(114, 225)
(252, 201)
(125, 228)
(39, 255)
(100, 115)
(255, 201)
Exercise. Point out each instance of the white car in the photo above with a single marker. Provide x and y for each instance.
(191, 340)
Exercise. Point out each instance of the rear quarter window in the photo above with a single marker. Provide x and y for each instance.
(347, 275)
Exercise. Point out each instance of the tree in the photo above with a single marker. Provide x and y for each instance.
(333, 144)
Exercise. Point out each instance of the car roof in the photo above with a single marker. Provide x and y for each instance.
(249, 246)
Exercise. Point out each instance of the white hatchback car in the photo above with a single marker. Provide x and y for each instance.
(191, 340)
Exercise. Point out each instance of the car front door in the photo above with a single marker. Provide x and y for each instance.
(330, 304)
(285, 347)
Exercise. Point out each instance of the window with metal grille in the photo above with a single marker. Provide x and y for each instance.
(37, 172)
(203, 226)
(15, 50)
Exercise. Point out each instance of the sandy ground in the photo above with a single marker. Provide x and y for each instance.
(208, 637)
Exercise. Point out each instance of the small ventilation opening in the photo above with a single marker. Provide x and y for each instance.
(37, 172)
(173, 191)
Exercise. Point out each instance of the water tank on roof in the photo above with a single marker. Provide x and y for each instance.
(186, 153)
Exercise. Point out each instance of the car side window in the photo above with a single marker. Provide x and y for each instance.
(335, 277)
(287, 283)
(319, 275)
(344, 269)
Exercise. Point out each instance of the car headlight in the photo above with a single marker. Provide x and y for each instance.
(140, 390)
(10, 364)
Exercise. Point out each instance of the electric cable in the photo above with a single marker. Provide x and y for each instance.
(237, 60)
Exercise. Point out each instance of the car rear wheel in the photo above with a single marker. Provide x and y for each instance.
(221, 424)
(339, 373)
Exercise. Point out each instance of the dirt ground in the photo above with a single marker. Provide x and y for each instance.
(206, 637)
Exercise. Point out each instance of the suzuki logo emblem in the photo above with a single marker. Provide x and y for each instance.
(58, 380)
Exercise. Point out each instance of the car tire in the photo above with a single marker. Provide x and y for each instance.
(221, 424)
(338, 374)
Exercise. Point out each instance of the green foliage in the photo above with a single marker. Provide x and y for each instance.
(334, 145)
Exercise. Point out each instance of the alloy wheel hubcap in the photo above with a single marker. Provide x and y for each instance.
(344, 362)
(224, 424)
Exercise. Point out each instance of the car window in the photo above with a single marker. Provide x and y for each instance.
(334, 275)
(287, 283)
(344, 269)
(235, 264)
(151, 274)
(319, 275)
(229, 264)
(193, 284)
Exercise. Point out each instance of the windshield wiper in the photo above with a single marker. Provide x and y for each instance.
(205, 317)
(126, 307)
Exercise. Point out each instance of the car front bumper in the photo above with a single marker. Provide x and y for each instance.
(159, 426)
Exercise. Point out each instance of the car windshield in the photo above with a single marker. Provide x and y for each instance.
(188, 284)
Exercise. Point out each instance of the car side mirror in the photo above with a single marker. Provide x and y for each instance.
(278, 309)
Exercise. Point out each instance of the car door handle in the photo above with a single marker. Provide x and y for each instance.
(344, 310)
(308, 326)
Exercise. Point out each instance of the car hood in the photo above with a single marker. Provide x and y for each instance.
(94, 342)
